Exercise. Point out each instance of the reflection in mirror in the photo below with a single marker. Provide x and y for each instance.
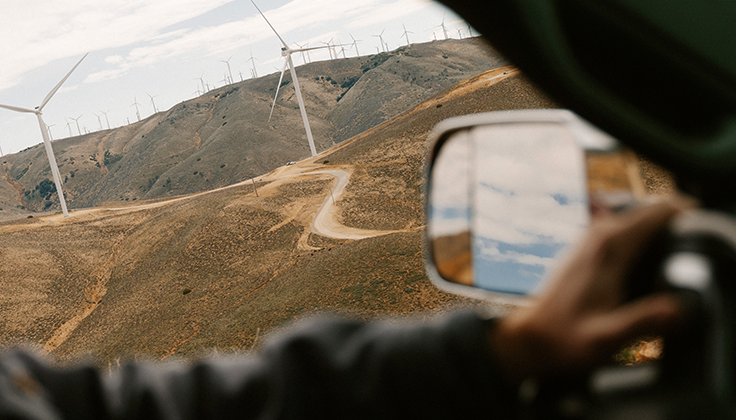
(506, 200)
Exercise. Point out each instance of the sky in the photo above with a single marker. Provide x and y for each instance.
(165, 49)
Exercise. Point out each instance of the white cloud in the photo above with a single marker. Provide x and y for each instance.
(388, 12)
(114, 59)
(491, 252)
(37, 33)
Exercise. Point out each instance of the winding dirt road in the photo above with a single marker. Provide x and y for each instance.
(326, 223)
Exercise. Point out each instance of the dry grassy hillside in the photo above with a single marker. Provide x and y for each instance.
(225, 135)
(222, 269)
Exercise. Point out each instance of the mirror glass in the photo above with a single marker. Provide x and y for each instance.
(505, 201)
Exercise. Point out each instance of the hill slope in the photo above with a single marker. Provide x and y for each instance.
(225, 136)
(223, 268)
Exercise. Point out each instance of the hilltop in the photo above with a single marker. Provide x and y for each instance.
(221, 269)
(225, 136)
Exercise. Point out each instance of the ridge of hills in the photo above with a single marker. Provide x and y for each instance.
(221, 269)
(224, 136)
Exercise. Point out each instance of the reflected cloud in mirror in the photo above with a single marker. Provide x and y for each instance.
(506, 200)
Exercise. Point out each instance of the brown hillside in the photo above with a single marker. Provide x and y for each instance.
(225, 135)
(223, 268)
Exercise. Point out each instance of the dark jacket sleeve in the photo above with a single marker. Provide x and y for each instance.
(321, 369)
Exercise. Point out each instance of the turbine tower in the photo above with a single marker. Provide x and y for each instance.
(46, 141)
(286, 52)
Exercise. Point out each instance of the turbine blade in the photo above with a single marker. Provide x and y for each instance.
(17, 109)
(286, 63)
(310, 49)
(53, 91)
(269, 24)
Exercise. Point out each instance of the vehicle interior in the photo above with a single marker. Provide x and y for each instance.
(656, 77)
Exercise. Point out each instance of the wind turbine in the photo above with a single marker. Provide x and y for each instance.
(46, 141)
(76, 120)
(342, 48)
(286, 52)
(355, 45)
(201, 80)
(329, 47)
(304, 60)
(459, 33)
(253, 60)
(155, 110)
(99, 120)
(106, 120)
(136, 104)
(444, 28)
(380, 36)
(406, 34)
(69, 126)
(228, 68)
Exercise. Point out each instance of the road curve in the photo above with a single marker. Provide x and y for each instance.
(325, 222)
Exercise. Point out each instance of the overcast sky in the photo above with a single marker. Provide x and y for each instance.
(161, 47)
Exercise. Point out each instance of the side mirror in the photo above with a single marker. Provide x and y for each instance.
(508, 192)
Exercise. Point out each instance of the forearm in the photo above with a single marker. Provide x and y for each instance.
(321, 369)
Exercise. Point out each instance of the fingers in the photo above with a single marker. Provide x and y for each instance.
(655, 314)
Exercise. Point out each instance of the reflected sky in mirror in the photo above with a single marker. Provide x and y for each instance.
(529, 202)
(513, 195)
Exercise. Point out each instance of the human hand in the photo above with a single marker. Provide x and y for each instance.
(582, 318)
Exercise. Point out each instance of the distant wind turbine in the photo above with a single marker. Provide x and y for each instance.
(459, 33)
(228, 68)
(355, 45)
(69, 126)
(106, 120)
(153, 103)
(329, 48)
(201, 80)
(76, 120)
(99, 120)
(444, 28)
(46, 141)
(304, 60)
(253, 61)
(286, 52)
(380, 37)
(406, 34)
(342, 48)
(136, 105)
